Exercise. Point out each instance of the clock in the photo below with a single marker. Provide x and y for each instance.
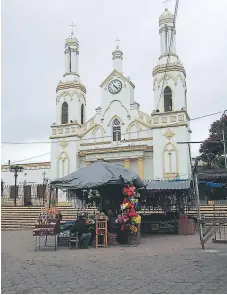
(115, 86)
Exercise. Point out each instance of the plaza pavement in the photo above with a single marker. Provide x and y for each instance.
(160, 264)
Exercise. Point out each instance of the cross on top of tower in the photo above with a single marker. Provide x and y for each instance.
(117, 42)
(72, 25)
(166, 2)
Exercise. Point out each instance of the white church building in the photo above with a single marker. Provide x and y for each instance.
(120, 132)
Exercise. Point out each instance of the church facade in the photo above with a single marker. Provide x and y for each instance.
(120, 132)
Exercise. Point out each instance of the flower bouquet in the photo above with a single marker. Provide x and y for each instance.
(130, 218)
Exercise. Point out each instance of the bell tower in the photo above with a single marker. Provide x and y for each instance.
(169, 75)
(170, 107)
(70, 113)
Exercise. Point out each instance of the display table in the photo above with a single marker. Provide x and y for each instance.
(45, 231)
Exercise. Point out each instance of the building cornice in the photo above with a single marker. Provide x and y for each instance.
(65, 130)
(151, 126)
(172, 113)
(71, 84)
(166, 20)
(144, 148)
(41, 165)
(172, 67)
(137, 139)
(122, 141)
(66, 125)
(115, 72)
(167, 54)
(95, 143)
(71, 73)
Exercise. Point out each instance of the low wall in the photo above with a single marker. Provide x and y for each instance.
(6, 202)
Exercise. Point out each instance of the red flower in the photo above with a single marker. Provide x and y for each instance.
(125, 201)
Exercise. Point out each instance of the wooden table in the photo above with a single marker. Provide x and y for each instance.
(45, 230)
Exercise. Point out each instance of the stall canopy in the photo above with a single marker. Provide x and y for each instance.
(167, 184)
(96, 175)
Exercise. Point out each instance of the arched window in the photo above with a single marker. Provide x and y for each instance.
(168, 102)
(64, 113)
(116, 130)
(82, 114)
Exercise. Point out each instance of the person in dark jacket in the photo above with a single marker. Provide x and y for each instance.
(83, 233)
(58, 221)
(112, 225)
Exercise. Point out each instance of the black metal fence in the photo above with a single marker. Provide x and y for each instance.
(26, 195)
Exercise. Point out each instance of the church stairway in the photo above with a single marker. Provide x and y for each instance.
(18, 218)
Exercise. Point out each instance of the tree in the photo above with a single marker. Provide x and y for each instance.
(213, 153)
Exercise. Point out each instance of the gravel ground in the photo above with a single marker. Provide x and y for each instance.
(160, 264)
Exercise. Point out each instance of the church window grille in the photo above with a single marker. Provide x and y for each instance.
(168, 100)
(82, 114)
(64, 113)
(116, 130)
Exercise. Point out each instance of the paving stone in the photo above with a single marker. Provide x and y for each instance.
(161, 264)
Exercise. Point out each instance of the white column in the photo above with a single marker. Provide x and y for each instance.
(77, 62)
(117, 64)
(174, 43)
(162, 42)
(66, 61)
(73, 61)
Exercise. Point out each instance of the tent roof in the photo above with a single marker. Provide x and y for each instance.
(168, 184)
(98, 174)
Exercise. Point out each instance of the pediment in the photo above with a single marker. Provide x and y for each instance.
(120, 75)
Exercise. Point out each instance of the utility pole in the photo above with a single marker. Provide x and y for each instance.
(223, 138)
(196, 186)
(2, 187)
(15, 169)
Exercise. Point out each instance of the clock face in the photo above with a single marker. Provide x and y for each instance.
(115, 86)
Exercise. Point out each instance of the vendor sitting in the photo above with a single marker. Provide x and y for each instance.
(112, 225)
(83, 233)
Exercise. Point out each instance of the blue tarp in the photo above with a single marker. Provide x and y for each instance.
(212, 184)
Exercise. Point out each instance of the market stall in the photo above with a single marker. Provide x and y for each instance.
(163, 203)
(113, 189)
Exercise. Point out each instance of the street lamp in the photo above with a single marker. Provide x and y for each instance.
(2, 187)
(45, 182)
(223, 138)
(16, 169)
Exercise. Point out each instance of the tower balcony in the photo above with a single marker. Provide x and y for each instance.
(159, 120)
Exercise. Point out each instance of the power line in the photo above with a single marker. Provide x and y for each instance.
(170, 44)
(101, 137)
(206, 116)
(28, 159)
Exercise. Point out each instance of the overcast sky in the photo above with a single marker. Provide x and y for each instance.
(33, 36)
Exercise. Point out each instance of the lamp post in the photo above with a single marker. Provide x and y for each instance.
(45, 182)
(223, 138)
(16, 169)
(2, 187)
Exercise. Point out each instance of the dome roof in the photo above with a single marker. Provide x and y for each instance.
(117, 51)
(166, 15)
(72, 40)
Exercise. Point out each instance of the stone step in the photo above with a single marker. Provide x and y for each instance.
(16, 210)
(21, 218)
(23, 221)
(32, 216)
(39, 210)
